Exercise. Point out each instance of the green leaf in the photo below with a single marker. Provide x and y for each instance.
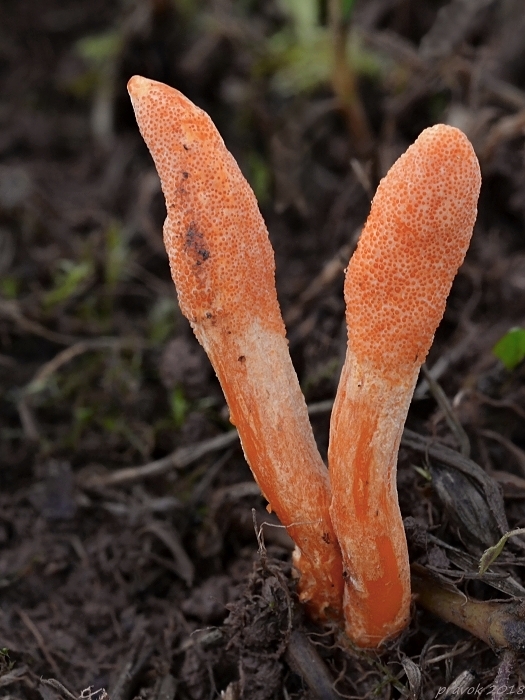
(511, 348)
(347, 7)
(83, 414)
(100, 48)
(9, 287)
(5, 662)
(304, 16)
(422, 471)
(490, 555)
(179, 406)
(117, 254)
(68, 280)
(162, 319)
(259, 176)
(300, 66)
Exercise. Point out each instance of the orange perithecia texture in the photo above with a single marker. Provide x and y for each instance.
(415, 239)
(215, 236)
(222, 264)
(396, 288)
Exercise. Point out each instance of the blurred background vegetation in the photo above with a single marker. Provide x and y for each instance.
(315, 98)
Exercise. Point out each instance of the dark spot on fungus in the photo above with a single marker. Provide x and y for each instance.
(242, 358)
(209, 314)
(186, 148)
(195, 244)
(326, 537)
(185, 175)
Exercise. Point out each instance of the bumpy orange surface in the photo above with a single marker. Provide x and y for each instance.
(414, 240)
(223, 268)
(215, 237)
(396, 288)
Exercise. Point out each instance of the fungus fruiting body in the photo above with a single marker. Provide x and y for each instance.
(222, 264)
(396, 286)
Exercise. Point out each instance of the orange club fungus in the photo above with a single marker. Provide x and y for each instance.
(223, 267)
(396, 286)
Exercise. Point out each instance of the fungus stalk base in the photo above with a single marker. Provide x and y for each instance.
(269, 410)
(368, 418)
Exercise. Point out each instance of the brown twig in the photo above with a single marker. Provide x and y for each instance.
(332, 269)
(499, 624)
(500, 687)
(304, 659)
(56, 685)
(452, 420)
(39, 380)
(11, 309)
(15, 675)
(179, 458)
(40, 641)
(133, 665)
(345, 82)
(515, 451)
(170, 538)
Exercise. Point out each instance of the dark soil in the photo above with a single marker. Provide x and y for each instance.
(150, 583)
